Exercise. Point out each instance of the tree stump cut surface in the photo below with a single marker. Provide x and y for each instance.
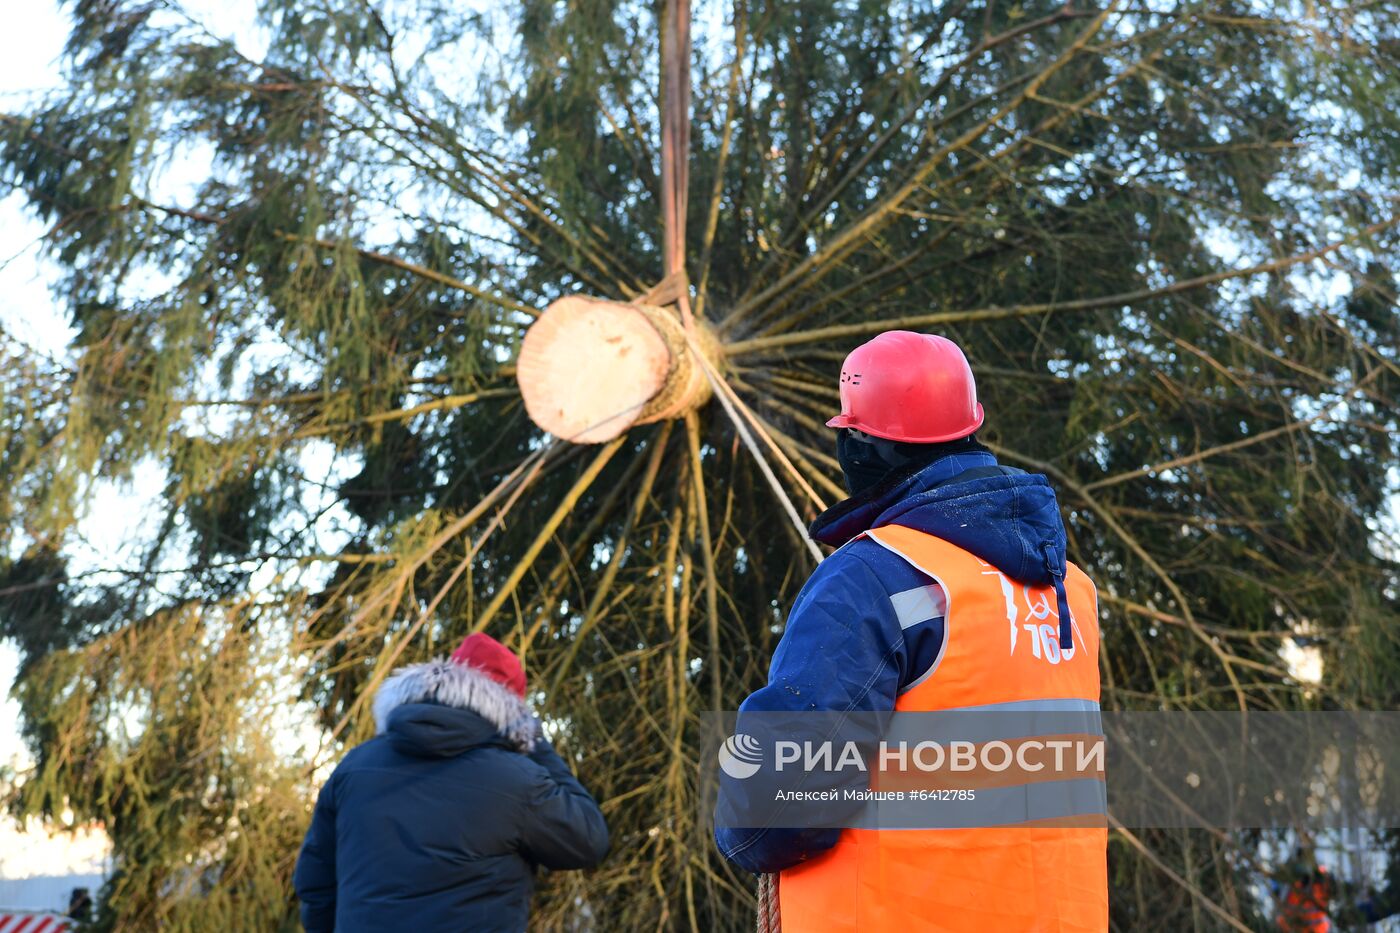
(589, 369)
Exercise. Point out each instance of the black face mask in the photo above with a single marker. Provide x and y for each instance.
(869, 461)
(864, 464)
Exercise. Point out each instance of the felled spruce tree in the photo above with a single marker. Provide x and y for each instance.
(298, 280)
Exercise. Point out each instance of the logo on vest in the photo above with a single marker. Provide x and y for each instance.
(1040, 608)
(740, 756)
(1009, 595)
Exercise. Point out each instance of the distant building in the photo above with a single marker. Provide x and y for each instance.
(44, 892)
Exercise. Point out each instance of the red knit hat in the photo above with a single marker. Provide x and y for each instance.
(493, 659)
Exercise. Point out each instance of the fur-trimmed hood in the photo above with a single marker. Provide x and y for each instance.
(457, 686)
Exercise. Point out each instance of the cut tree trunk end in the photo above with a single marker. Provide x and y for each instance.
(589, 369)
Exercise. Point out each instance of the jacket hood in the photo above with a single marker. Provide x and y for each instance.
(442, 708)
(1006, 517)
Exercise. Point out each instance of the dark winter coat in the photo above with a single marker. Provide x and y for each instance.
(438, 823)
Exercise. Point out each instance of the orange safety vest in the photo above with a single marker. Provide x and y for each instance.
(1001, 647)
(1305, 906)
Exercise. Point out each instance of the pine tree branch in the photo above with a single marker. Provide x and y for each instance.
(1002, 160)
(840, 245)
(897, 125)
(1193, 889)
(1206, 454)
(707, 552)
(447, 402)
(982, 315)
(722, 158)
(550, 525)
(593, 613)
(404, 265)
(1105, 514)
(387, 661)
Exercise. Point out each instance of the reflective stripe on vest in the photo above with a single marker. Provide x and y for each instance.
(1015, 869)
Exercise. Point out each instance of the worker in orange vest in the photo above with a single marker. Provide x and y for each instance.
(949, 591)
(1304, 907)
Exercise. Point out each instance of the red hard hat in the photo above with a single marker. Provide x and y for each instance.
(904, 386)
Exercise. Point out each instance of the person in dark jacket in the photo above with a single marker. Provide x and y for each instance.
(439, 822)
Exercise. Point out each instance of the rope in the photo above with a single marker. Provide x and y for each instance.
(675, 166)
(675, 139)
(768, 919)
